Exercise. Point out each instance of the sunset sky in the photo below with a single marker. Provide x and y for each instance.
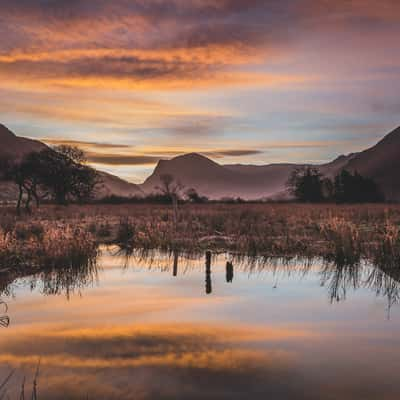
(241, 81)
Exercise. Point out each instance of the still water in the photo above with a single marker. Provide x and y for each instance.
(161, 326)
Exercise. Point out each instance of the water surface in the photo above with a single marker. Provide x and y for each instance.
(167, 327)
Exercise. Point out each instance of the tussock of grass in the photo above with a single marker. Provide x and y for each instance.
(344, 245)
(387, 250)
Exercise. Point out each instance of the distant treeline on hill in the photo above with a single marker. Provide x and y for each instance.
(308, 185)
(164, 199)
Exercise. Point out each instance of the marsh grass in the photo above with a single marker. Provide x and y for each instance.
(344, 244)
(46, 245)
(344, 233)
(387, 250)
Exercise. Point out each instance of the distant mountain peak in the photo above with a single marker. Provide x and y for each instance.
(185, 161)
(393, 136)
(193, 157)
(5, 133)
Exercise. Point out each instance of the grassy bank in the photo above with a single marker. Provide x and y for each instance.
(44, 244)
(341, 233)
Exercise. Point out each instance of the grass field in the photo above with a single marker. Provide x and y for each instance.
(345, 233)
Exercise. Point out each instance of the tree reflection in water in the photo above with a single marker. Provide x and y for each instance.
(229, 272)
(384, 281)
(55, 281)
(4, 318)
(337, 278)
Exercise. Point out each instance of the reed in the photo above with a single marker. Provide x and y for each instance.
(344, 233)
(344, 243)
(46, 245)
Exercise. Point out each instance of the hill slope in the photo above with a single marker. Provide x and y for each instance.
(246, 181)
(217, 181)
(15, 148)
(381, 162)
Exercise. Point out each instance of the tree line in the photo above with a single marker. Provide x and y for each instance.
(309, 185)
(59, 174)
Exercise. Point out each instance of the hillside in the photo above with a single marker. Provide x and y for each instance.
(246, 181)
(15, 148)
(381, 162)
(217, 181)
(113, 185)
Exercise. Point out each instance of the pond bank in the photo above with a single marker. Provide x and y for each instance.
(66, 236)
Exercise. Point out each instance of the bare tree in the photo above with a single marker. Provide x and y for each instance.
(172, 189)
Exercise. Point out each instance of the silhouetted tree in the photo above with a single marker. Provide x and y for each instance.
(355, 188)
(194, 197)
(60, 173)
(306, 184)
(26, 174)
(5, 165)
(328, 189)
(66, 176)
(172, 189)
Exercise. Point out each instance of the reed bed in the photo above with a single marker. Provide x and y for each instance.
(46, 245)
(343, 233)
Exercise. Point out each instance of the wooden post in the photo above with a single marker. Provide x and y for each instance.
(175, 270)
(229, 272)
(208, 273)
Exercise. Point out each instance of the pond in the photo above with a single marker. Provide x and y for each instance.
(168, 326)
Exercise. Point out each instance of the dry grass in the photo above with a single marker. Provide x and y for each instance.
(343, 233)
(45, 244)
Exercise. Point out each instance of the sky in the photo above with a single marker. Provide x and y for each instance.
(241, 81)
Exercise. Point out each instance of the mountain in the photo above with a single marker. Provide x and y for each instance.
(381, 162)
(113, 185)
(246, 181)
(218, 181)
(15, 148)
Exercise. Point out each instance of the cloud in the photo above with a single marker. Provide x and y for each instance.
(121, 159)
(127, 155)
(164, 44)
(232, 153)
(165, 361)
(304, 144)
(123, 154)
(83, 144)
(174, 43)
(88, 64)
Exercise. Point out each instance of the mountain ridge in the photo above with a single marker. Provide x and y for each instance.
(16, 147)
(194, 170)
(247, 181)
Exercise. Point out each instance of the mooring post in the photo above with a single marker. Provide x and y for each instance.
(208, 273)
(175, 270)
(229, 272)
